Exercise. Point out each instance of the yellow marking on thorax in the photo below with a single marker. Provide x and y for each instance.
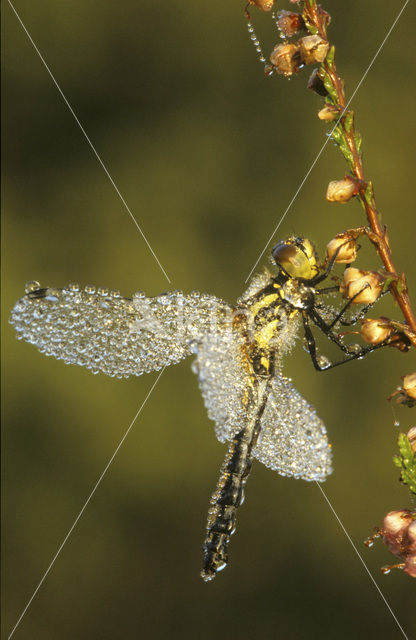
(264, 335)
(264, 302)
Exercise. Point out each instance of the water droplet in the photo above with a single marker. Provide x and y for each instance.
(73, 287)
(396, 423)
(31, 286)
(89, 288)
(354, 349)
(323, 362)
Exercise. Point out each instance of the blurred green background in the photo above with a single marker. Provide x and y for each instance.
(207, 153)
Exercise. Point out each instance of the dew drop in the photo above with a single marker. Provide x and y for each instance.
(89, 288)
(31, 286)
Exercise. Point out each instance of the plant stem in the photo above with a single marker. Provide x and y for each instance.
(316, 20)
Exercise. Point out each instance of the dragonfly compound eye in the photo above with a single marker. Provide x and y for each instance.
(296, 257)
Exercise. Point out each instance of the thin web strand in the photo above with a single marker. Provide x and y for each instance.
(89, 141)
(84, 506)
(362, 561)
(328, 139)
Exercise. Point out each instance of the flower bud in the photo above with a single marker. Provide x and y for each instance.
(264, 5)
(411, 436)
(374, 331)
(364, 286)
(286, 59)
(313, 49)
(411, 534)
(344, 246)
(395, 527)
(410, 565)
(289, 23)
(328, 113)
(409, 385)
(341, 190)
(316, 84)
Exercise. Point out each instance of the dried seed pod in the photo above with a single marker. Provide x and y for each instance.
(264, 5)
(411, 436)
(374, 331)
(328, 113)
(344, 246)
(361, 287)
(313, 49)
(316, 84)
(342, 190)
(289, 23)
(286, 59)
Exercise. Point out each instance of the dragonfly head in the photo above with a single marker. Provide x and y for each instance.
(296, 257)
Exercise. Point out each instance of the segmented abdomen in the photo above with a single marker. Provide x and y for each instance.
(228, 494)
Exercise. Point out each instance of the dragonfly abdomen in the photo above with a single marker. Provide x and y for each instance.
(228, 494)
(225, 500)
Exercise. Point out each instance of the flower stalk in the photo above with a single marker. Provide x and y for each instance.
(349, 141)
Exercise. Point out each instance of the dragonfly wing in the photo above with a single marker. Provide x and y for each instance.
(117, 336)
(223, 380)
(292, 439)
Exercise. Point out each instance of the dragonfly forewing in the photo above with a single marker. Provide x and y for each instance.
(121, 337)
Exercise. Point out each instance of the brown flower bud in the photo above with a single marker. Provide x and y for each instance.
(410, 565)
(374, 331)
(395, 527)
(341, 190)
(289, 23)
(286, 59)
(409, 385)
(313, 49)
(411, 436)
(264, 5)
(316, 84)
(406, 394)
(411, 534)
(364, 286)
(328, 113)
(344, 246)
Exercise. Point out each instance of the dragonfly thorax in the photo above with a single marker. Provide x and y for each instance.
(297, 294)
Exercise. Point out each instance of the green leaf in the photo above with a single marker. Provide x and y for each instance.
(358, 141)
(328, 85)
(397, 461)
(330, 56)
(406, 461)
(405, 447)
(387, 283)
(369, 194)
(339, 138)
(349, 121)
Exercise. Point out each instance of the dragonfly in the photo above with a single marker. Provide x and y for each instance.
(238, 360)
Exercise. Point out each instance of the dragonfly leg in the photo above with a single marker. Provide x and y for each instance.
(310, 340)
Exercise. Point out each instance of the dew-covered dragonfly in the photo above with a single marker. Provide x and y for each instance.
(238, 349)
